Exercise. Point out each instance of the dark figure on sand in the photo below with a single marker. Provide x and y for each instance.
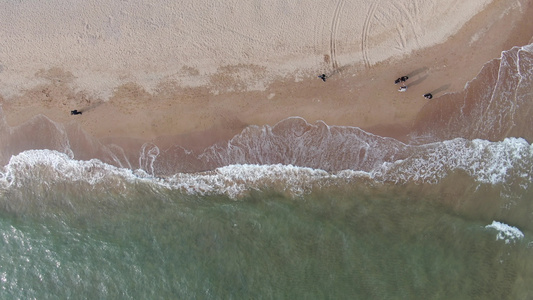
(75, 112)
(401, 79)
(428, 96)
(323, 77)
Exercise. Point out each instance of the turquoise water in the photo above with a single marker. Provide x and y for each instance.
(334, 243)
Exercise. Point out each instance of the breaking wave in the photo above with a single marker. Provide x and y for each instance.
(508, 163)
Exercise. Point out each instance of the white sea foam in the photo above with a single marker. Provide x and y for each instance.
(487, 162)
(506, 232)
(509, 162)
(52, 166)
(59, 166)
(235, 180)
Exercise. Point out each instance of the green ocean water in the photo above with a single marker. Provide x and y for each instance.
(71, 240)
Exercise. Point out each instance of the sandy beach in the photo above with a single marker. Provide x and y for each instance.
(195, 73)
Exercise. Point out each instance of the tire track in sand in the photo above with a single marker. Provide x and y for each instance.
(321, 47)
(366, 29)
(333, 32)
(401, 7)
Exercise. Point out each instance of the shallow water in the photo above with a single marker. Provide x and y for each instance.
(295, 210)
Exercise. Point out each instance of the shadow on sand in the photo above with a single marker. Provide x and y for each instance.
(418, 81)
(440, 89)
(338, 70)
(417, 71)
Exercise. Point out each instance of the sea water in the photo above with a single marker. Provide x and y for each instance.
(127, 237)
(290, 211)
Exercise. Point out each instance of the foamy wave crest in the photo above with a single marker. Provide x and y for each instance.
(48, 166)
(336, 148)
(51, 165)
(507, 162)
(506, 232)
(235, 180)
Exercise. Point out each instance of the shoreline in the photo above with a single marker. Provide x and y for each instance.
(354, 95)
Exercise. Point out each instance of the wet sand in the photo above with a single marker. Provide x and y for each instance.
(360, 94)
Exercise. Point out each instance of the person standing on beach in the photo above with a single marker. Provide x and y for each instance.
(401, 79)
(323, 77)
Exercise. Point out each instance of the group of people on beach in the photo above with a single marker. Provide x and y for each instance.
(403, 88)
(402, 80)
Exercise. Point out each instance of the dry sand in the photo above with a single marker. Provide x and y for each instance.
(197, 72)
